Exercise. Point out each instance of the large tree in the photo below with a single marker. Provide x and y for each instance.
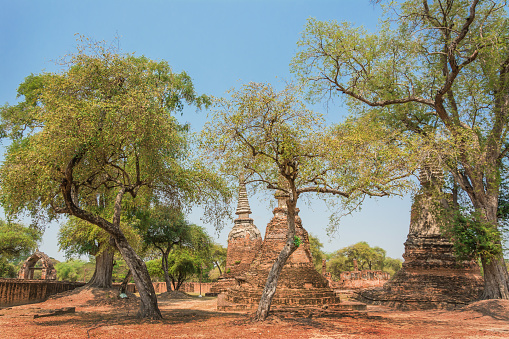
(278, 144)
(103, 127)
(440, 70)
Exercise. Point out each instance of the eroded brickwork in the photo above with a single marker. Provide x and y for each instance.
(431, 277)
(48, 272)
(355, 279)
(244, 242)
(299, 284)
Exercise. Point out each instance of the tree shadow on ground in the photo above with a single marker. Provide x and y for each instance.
(495, 308)
(116, 318)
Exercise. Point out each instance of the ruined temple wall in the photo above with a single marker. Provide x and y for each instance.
(365, 275)
(21, 291)
(160, 287)
(358, 279)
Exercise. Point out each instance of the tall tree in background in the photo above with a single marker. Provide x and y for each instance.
(316, 251)
(218, 257)
(440, 70)
(371, 258)
(278, 144)
(16, 243)
(165, 228)
(104, 126)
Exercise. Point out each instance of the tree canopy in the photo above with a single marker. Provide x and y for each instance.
(272, 139)
(438, 70)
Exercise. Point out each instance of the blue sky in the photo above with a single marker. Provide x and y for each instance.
(221, 45)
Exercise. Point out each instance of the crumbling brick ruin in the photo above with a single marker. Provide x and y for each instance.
(355, 279)
(299, 284)
(48, 272)
(244, 242)
(431, 277)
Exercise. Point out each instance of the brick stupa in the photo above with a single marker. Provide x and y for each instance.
(431, 277)
(244, 242)
(299, 284)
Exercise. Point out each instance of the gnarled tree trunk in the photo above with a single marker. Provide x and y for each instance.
(102, 277)
(277, 267)
(148, 299)
(495, 279)
(123, 285)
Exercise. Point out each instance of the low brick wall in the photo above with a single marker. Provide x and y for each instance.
(20, 291)
(188, 287)
(358, 279)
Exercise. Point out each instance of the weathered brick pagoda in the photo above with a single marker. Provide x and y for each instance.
(431, 277)
(299, 284)
(244, 242)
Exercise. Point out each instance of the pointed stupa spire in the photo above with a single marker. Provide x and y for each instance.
(243, 209)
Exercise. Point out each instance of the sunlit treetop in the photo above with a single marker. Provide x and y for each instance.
(105, 122)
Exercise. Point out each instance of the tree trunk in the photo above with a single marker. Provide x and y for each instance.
(123, 286)
(219, 267)
(164, 264)
(148, 299)
(496, 279)
(148, 304)
(272, 278)
(102, 277)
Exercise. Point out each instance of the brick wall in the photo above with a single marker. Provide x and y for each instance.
(20, 291)
(187, 287)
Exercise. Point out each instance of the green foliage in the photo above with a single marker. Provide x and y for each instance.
(120, 270)
(17, 240)
(71, 270)
(316, 251)
(392, 266)
(472, 237)
(154, 269)
(182, 263)
(218, 256)
(163, 227)
(8, 269)
(296, 241)
(337, 264)
(368, 258)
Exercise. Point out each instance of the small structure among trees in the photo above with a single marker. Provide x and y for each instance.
(48, 272)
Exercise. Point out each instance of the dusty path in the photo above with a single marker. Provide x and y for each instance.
(100, 314)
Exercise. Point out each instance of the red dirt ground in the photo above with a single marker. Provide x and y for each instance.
(99, 314)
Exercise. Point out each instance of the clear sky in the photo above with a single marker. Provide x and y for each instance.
(221, 45)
